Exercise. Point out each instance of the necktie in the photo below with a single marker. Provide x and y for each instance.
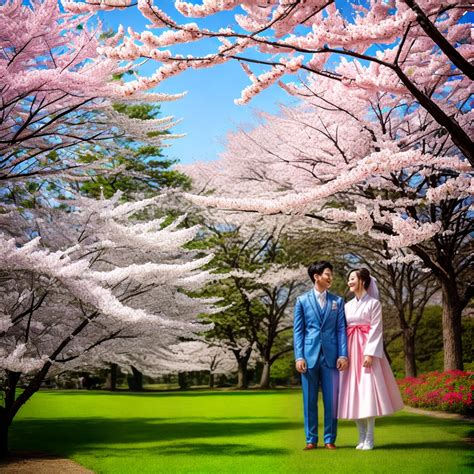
(322, 300)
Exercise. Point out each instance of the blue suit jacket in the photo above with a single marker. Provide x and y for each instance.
(319, 330)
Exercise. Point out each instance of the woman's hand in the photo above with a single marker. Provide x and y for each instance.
(367, 362)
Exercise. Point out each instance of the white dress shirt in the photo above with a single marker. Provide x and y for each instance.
(321, 297)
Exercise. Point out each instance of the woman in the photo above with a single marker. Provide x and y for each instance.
(367, 388)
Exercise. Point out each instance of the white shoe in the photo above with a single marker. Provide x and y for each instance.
(360, 445)
(368, 444)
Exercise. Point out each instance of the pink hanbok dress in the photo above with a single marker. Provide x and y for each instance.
(366, 392)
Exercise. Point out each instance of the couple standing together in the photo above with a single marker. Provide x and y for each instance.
(340, 347)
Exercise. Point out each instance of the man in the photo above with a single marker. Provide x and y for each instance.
(320, 351)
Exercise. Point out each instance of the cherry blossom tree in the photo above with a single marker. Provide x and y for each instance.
(57, 93)
(136, 167)
(262, 280)
(385, 168)
(272, 291)
(93, 286)
(235, 326)
(200, 355)
(409, 289)
(418, 52)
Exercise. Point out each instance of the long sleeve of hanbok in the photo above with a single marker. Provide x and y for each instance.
(374, 344)
(341, 333)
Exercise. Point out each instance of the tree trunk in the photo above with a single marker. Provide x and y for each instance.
(182, 380)
(452, 342)
(452, 309)
(265, 377)
(7, 412)
(4, 426)
(135, 381)
(12, 405)
(409, 350)
(111, 383)
(113, 376)
(211, 380)
(242, 376)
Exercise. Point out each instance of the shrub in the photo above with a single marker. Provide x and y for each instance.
(448, 391)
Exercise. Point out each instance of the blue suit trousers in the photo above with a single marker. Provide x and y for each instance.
(328, 378)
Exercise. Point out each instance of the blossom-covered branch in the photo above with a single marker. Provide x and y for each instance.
(376, 46)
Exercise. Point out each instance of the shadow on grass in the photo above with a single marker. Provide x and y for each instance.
(72, 436)
(192, 449)
(168, 436)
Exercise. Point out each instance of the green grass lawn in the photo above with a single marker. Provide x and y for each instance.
(235, 432)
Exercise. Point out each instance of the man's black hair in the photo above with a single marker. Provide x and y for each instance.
(318, 268)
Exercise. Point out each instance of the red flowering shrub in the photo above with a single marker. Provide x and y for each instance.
(448, 391)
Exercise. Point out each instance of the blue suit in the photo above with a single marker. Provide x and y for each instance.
(320, 338)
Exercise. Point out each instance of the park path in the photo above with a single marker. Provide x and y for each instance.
(38, 463)
(435, 414)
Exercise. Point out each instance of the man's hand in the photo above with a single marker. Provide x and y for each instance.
(342, 363)
(301, 366)
(368, 362)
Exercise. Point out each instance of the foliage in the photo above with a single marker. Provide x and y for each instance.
(134, 167)
(429, 344)
(449, 391)
(261, 283)
(284, 372)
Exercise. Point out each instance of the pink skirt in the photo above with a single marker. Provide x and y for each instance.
(365, 392)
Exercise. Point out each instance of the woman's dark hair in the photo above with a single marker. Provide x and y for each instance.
(318, 268)
(362, 274)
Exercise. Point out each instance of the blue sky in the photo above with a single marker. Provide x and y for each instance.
(207, 111)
